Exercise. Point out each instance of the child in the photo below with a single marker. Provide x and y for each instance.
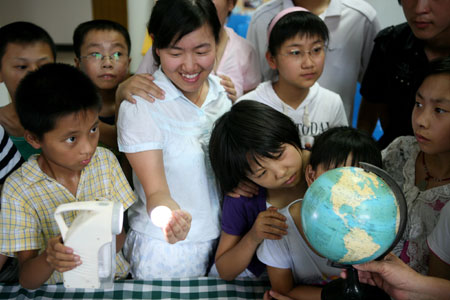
(421, 164)
(297, 45)
(294, 269)
(23, 48)
(262, 146)
(236, 63)
(166, 144)
(71, 168)
(101, 49)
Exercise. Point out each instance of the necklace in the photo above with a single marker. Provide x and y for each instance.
(422, 185)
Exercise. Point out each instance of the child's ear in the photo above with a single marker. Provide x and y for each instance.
(271, 60)
(310, 175)
(32, 139)
(76, 60)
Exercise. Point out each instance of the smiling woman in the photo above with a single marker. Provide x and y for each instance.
(168, 139)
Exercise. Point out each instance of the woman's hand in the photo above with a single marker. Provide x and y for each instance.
(178, 227)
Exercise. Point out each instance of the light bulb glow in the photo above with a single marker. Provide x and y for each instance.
(160, 216)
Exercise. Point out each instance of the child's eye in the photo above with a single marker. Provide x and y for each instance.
(96, 55)
(71, 140)
(21, 67)
(261, 174)
(94, 129)
(440, 110)
(295, 52)
(317, 50)
(418, 104)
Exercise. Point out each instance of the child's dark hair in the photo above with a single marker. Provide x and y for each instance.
(171, 20)
(101, 25)
(332, 147)
(24, 33)
(438, 66)
(297, 23)
(248, 131)
(51, 92)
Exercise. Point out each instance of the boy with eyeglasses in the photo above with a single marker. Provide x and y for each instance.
(102, 50)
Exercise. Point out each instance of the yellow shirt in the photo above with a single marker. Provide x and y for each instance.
(30, 198)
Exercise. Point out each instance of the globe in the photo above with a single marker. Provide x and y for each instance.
(350, 215)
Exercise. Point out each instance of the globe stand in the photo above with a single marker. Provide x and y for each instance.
(350, 288)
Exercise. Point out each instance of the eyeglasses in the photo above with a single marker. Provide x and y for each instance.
(315, 52)
(98, 57)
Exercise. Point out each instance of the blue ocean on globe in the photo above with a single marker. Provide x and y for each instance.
(350, 216)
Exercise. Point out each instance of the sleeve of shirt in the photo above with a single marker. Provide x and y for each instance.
(395, 155)
(137, 128)
(10, 158)
(147, 64)
(234, 220)
(121, 188)
(20, 228)
(252, 71)
(439, 239)
(274, 253)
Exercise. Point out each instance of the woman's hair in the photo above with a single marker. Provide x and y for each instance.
(332, 147)
(171, 20)
(248, 131)
(297, 23)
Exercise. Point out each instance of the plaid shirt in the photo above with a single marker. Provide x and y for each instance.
(30, 198)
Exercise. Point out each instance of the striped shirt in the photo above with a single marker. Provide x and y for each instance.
(30, 198)
(10, 158)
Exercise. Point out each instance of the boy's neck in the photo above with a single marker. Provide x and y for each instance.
(280, 198)
(68, 178)
(290, 94)
(108, 102)
(315, 6)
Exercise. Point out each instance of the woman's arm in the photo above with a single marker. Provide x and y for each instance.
(149, 168)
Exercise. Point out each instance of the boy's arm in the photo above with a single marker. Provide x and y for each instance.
(149, 168)
(282, 282)
(35, 269)
(234, 253)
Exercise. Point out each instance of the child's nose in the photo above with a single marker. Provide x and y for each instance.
(280, 172)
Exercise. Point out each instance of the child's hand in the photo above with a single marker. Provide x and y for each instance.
(178, 227)
(228, 85)
(60, 257)
(141, 85)
(245, 188)
(269, 224)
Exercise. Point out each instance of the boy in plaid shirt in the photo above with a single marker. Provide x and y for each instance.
(58, 107)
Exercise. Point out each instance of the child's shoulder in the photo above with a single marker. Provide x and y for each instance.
(362, 7)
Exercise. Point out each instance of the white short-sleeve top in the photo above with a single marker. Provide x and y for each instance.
(181, 130)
